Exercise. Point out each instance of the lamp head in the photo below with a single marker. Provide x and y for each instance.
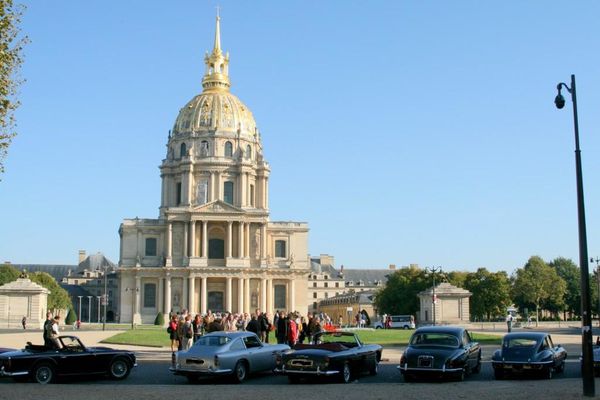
(559, 100)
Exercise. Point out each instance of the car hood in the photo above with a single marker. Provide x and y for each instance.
(13, 353)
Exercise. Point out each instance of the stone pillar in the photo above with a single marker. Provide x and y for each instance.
(229, 238)
(192, 238)
(218, 186)
(184, 296)
(185, 240)
(270, 296)
(263, 241)
(169, 239)
(247, 295)
(241, 239)
(263, 295)
(240, 295)
(228, 294)
(292, 295)
(137, 318)
(161, 298)
(243, 184)
(266, 183)
(203, 295)
(247, 237)
(190, 185)
(191, 295)
(204, 239)
(167, 295)
(212, 196)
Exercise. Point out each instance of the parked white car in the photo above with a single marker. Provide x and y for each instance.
(398, 322)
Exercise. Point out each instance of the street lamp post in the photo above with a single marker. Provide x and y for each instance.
(104, 296)
(79, 316)
(90, 309)
(433, 271)
(586, 316)
(597, 261)
(98, 297)
(133, 293)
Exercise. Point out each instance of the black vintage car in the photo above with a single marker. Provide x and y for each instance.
(528, 353)
(439, 352)
(332, 354)
(44, 365)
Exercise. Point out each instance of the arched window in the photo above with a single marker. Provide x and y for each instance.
(228, 149)
(182, 150)
(248, 151)
(228, 192)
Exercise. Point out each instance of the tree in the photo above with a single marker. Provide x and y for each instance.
(491, 293)
(160, 319)
(58, 297)
(400, 293)
(71, 317)
(10, 61)
(8, 273)
(570, 273)
(457, 278)
(537, 284)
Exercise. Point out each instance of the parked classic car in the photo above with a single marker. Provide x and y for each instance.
(44, 365)
(528, 352)
(226, 353)
(440, 351)
(337, 354)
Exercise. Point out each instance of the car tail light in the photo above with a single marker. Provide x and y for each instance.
(216, 361)
(326, 362)
(278, 359)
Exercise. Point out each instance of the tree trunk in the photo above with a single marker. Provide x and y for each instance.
(537, 314)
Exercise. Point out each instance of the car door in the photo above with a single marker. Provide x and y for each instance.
(74, 359)
(471, 348)
(259, 355)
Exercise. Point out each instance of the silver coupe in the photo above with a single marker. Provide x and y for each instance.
(237, 354)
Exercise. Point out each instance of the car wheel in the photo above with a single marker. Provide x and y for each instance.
(561, 367)
(119, 369)
(461, 375)
(346, 373)
(374, 368)
(377, 327)
(405, 327)
(498, 374)
(240, 371)
(548, 373)
(43, 373)
(293, 379)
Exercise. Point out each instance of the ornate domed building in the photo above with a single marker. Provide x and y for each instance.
(212, 246)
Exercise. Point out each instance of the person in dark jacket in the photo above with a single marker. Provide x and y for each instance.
(48, 330)
(253, 325)
(263, 323)
(282, 328)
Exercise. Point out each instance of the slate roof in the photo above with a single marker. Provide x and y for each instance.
(368, 276)
(94, 262)
(318, 268)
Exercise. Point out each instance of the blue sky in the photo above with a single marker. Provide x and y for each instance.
(402, 132)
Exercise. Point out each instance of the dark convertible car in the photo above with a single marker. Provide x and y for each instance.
(440, 351)
(43, 364)
(335, 354)
(528, 353)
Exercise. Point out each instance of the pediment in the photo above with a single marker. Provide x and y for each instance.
(217, 206)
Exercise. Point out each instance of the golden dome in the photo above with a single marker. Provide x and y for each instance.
(215, 108)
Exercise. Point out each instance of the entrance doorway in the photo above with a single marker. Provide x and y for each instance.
(215, 302)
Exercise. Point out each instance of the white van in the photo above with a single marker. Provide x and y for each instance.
(398, 322)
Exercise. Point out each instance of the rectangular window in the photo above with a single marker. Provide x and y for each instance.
(314, 295)
(178, 194)
(337, 284)
(314, 284)
(280, 249)
(150, 247)
(149, 295)
(228, 192)
(326, 295)
(315, 305)
(326, 284)
(280, 297)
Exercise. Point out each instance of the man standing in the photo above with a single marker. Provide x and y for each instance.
(509, 321)
(263, 325)
(48, 329)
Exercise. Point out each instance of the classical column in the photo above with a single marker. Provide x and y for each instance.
(270, 296)
(266, 192)
(191, 301)
(243, 184)
(138, 289)
(292, 295)
(263, 241)
(192, 238)
(247, 295)
(161, 298)
(218, 185)
(167, 295)
(229, 238)
(241, 239)
(185, 240)
(190, 185)
(204, 239)
(169, 238)
(203, 295)
(184, 297)
(228, 294)
(212, 187)
(240, 295)
(263, 295)
(247, 240)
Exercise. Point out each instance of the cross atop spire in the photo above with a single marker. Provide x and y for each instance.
(217, 45)
(217, 65)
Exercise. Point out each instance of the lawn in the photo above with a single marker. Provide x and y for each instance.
(155, 336)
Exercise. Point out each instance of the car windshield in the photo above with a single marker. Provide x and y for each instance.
(337, 337)
(434, 339)
(214, 341)
(523, 343)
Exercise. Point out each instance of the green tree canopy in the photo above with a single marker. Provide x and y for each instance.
(10, 60)
(8, 273)
(400, 293)
(58, 297)
(538, 285)
(491, 293)
(571, 274)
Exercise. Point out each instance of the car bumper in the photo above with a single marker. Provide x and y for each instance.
(405, 369)
(195, 372)
(521, 366)
(16, 373)
(317, 372)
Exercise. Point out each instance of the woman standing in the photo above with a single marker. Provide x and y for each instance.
(172, 330)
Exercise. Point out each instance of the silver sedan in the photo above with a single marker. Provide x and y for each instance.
(226, 353)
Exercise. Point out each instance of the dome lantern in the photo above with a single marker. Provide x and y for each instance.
(216, 76)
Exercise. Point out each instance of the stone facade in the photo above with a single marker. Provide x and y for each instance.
(213, 245)
(451, 305)
(23, 298)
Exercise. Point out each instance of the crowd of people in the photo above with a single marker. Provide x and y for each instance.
(286, 328)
